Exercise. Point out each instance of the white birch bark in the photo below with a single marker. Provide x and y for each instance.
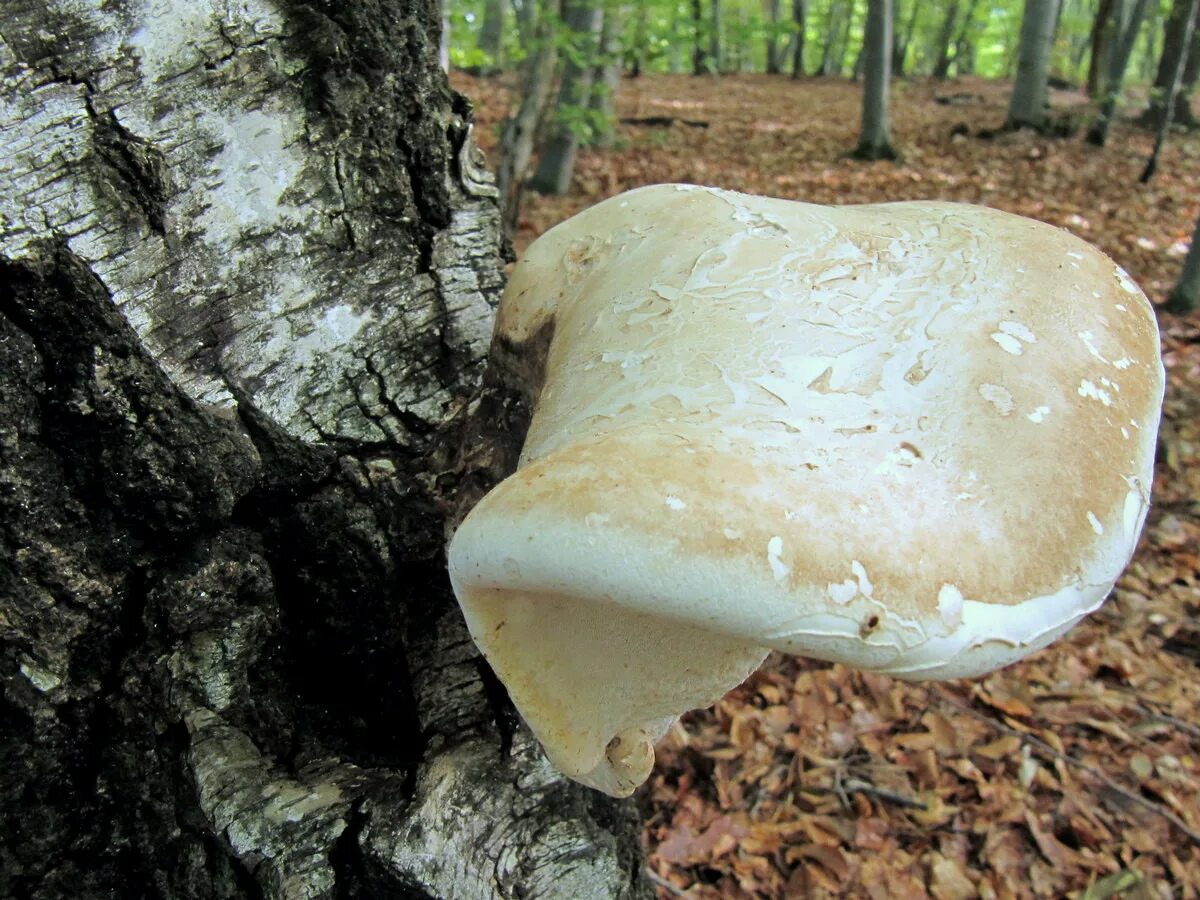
(248, 262)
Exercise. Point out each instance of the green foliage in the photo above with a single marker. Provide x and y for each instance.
(585, 122)
(661, 35)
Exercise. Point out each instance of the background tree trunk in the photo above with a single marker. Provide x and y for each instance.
(714, 38)
(902, 41)
(1104, 26)
(1186, 296)
(1168, 106)
(772, 44)
(491, 34)
(1027, 106)
(444, 36)
(800, 19)
(248, 260)
(528, 18)
(943, 49)
(521, 128)
(1114, 77)
(607, 78)
(1173, 49)
(964, 44)
(833, 16)
(556, 160)
(843, 42)
(700, 62)
(636, 55)
(875, 142)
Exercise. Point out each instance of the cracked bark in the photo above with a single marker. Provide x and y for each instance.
(248, 261)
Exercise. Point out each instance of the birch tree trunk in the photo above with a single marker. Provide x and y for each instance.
(1027, 106)
(875, 142)
(248, 262)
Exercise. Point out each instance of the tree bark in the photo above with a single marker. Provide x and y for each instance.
(1185, 297)
(901, 43)
(1175, 50)
(714, 38)
(606, 79)
(556, 158)
(1104, 26)
(1164, 122)
(521, 128)
(833, 15)
(491, 34)
(528, 20)
(700, 64)
(773, 48)
(843, 46)
(248, 262)
(1183, 100)
(800, 19)
(964, 46)
(444, 36)
(1115, 76)
(875, 142)
(945, 42)
(1027, 106)
(637, 54)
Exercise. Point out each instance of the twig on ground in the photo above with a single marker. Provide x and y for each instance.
(1166, 719)
(857, 786)
(664, 884)
(663, 121)
(1098, 774)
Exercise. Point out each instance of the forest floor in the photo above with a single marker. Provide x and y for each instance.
(1073, 773)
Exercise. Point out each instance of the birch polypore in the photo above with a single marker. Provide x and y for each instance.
(915, 438)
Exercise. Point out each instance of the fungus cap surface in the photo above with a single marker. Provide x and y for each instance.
(915, 438)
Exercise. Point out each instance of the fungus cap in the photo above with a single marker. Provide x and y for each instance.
(915, 438)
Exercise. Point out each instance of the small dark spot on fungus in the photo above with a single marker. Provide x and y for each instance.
(905, 445)
(869, 624)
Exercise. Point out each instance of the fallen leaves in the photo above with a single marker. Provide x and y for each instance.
(1073, 773)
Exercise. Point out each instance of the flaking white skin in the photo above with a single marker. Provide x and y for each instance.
(915, 438)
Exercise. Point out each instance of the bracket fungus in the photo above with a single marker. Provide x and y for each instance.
(915, 438)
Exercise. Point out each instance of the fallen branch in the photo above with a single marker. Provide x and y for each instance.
(663, 121)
